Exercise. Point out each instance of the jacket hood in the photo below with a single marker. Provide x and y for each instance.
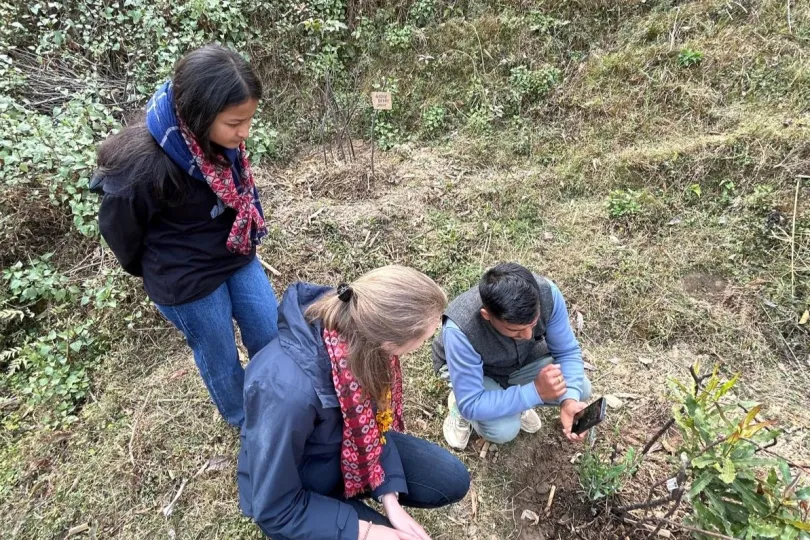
(303, 340)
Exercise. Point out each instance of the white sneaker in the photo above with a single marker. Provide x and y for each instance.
(530, 421)
(456, 429)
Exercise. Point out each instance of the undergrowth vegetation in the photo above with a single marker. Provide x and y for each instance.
(651, 156)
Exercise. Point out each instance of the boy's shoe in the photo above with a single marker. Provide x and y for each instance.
(530, 421)
(456, 429)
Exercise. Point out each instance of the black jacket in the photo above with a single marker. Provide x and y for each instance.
(178, 249)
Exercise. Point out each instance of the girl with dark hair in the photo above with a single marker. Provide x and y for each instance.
(323, 415)
(180, 209)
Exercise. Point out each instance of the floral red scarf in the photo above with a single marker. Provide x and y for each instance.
(248, 227)
(363, 429)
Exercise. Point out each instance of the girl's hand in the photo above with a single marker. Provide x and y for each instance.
(401, 520)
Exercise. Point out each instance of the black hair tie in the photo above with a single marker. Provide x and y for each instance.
(344, 292)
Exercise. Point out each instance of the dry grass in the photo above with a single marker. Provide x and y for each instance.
(686, 278)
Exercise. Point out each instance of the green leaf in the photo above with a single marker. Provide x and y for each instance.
(762, 529)
(748, 496)
(784, 470)
(801, 525)
(701, 462)
(700, 483)
(728, 472)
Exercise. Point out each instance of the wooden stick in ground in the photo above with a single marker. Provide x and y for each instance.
(484, 450)
(657, 436)
(550, 500)
(793, 227)
(270, 268)
(373, 118)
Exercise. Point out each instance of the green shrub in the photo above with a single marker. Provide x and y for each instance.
(37, 281)
(433, 120)
(422, 13)
(532, 84)
(541, 23)
(689, 57)
(53, 370)
(625, 202)
(398, 37)
(602, 477)
(736, 489)
(387, 134)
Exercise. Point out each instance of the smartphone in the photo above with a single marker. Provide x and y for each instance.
(589, 416)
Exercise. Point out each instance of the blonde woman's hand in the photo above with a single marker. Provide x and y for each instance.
(380, 532)
(401, 520)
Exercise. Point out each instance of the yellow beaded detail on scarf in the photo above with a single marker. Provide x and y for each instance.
(385, 417)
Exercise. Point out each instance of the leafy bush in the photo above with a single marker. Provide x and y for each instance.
(398, 37)
(532, 84)
(387, 134)
(37, 281)
(433, 120)
(479, 122)
(53, 371)
(422, 12)
(263, 142)
(735, 489)
(602, 477)
(625, 202)
(56, 152)
(689, 57)
(541, 23)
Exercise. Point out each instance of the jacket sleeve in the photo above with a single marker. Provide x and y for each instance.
(122, 221)
(394, 472)
(278, 421)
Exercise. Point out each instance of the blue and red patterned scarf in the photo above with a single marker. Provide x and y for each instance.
(234, 187)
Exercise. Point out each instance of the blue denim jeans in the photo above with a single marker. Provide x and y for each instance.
(248, 297)
(434, 476)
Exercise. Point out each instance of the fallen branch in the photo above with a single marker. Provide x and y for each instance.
(793, 226)
(658, 435)
(639, 521)
(169, 508)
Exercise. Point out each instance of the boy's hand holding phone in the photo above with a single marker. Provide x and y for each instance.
(569, 409)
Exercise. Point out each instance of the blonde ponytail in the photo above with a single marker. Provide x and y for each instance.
(392, 304)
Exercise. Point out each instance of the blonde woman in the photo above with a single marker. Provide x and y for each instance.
(323, 414)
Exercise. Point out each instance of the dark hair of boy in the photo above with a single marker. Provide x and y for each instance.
(509, 292)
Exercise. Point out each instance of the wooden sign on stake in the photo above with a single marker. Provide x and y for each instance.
(380, 101)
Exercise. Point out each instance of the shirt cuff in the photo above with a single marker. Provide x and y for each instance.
(571, 393)
(531, 398)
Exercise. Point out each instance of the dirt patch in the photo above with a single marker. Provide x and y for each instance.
(549, 469)
(317, 176)
(706, 286)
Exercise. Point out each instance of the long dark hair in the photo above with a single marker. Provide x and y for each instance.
(206, 81)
